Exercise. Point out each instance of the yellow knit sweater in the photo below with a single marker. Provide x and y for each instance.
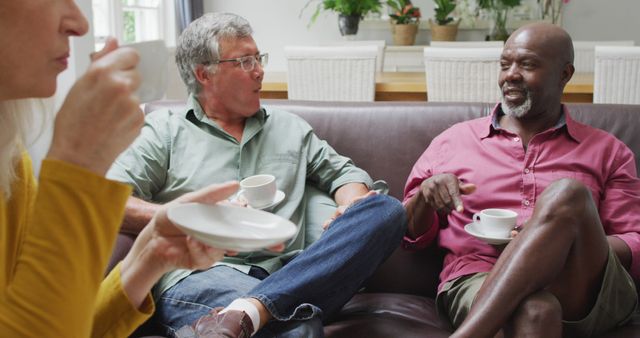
(55, 240)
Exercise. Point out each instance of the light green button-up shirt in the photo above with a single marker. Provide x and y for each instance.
(181, 151)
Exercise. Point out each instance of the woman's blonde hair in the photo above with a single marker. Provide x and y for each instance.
(17, 130)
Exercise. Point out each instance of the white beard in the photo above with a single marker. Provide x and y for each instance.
(516, 111)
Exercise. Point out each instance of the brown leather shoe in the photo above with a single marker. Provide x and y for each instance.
(231, 324)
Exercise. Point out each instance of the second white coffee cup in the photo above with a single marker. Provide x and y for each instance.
(259, 190)
(496, 222)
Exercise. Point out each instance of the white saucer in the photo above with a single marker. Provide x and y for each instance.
(280, 195)
(231, 227)
(471, 230)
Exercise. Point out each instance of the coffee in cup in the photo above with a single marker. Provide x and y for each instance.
(259, 190)
(495, 222)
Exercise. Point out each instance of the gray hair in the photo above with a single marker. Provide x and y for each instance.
(199, 44)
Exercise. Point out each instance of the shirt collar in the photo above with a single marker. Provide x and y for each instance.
(565, 120)
(194, 110)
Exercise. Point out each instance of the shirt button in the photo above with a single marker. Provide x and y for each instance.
(526, 170)
(526, 202)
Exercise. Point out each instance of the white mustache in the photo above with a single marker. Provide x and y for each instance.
(506, 87)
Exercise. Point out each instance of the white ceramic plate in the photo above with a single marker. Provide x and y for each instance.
(231, 227)
(280, 195)
(471, 230)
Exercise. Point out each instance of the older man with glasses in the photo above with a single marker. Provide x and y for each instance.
(224, 134)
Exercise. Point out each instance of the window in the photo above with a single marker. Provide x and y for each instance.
(133, 21)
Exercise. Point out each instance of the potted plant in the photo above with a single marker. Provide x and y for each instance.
(444, 28)
(551, 9)
(498, 11)
(404, 21)
(350, 12)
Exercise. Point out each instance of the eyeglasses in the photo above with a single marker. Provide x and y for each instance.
(248, 63)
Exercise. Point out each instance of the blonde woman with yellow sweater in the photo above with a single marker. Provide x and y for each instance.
(56, 234)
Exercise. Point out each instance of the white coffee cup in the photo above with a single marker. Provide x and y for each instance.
(259, 190)
(495, 222)
(153, 68)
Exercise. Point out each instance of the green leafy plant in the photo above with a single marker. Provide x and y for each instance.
(443, 8)
(499, 10)
(490, 4)
(552, 9)
(345, 7)
(405, 12)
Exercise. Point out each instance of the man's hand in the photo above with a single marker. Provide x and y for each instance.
(100, 116)
(515, 232)
(442, 192)
(438, 194)
(342, 208)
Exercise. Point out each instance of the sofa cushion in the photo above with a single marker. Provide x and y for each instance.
(388, 315)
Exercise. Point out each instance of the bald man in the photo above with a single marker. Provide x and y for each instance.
(572, 265)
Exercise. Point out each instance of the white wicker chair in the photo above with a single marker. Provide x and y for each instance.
(380, 45)
(462, 74)
(584, 51)
(467, 44)
(331, 73)
(617, 75)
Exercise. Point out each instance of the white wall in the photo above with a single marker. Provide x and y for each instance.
(603, 20)
(278, 23)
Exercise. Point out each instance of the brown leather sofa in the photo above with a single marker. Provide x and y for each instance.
(385, 139)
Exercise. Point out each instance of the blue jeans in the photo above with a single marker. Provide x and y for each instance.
(308, 289)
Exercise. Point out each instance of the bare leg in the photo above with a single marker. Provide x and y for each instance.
(562, 249)
(539, 315)
(265, 315)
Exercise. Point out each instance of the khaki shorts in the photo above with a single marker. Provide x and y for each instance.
(616, 302)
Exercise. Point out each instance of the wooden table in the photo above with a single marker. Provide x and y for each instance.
(411, 86)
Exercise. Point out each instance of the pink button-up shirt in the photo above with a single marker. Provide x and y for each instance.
(509, 177)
